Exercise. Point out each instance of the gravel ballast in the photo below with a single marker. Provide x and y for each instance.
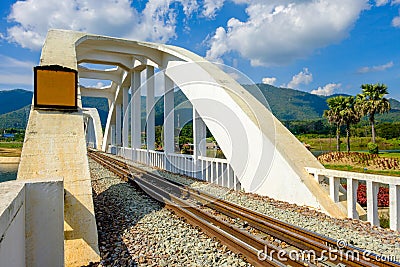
(135, 230)
(383, 242)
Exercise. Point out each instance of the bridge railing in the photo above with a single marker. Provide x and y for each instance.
(139, 154)
(156, 159)
(219, 171)
(372, 182)
(182, 164)
(213, 170)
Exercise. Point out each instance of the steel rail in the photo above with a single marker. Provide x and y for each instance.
(235, 239)
(288, 233)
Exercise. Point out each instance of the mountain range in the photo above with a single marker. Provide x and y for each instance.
(286, 104)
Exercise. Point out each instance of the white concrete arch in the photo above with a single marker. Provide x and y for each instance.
(92, 126)
(113, 74)
(263, 154)
(267, 158)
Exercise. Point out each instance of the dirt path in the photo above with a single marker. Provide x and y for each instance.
(10, 152)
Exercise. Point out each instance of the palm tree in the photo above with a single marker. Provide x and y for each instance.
(333, 115)
(350, 115)
(372, 101)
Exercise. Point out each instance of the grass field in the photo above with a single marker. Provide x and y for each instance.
(11, 144)
(389, 155)
(360, 169)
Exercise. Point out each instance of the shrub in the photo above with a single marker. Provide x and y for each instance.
(362, 195)
(373, 148)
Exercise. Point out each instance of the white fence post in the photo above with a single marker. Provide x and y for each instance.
(334, 183)
(372, 182)
(352, 186)
(394, 207)
(372, 202)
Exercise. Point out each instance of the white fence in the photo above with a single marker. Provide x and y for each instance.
(182, 164)
(156, 159)
(218, 171)
(372, 182)
(213, 170)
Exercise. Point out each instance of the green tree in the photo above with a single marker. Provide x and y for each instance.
(350, 115)
(372, 101)
(334, 116)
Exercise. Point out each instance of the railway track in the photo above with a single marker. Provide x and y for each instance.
(262, 240)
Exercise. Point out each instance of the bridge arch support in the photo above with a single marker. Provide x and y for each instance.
(260, 152)
(93, 129)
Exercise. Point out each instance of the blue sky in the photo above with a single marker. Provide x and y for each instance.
(318, 46)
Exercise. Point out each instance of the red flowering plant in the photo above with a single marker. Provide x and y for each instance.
(383, 196)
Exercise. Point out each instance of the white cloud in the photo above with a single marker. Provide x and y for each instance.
(280, 31)
(219, 46)
(303, 77)
(381, 2)
(376, 68)
(211, 7)
(234, 76)
(396, 22)
(269, 80)
(16, 72)
(16, 79)
(33, 18)
(99, 85)
(9, 62)
(327, 89)
(189, 6)
(385, 2)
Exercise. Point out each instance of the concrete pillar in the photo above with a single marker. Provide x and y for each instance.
(118, 124)
(125, 125)
(199, 135)
(334, 183)
(394, 207)
(90, 134)
(150, 133)
(113, 135)
(318, 177)
(136, 139)
(199, 142)
(352, 186)
(108, 134)
(168, 129)
(372, 202)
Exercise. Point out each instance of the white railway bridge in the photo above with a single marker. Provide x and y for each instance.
(262, 156)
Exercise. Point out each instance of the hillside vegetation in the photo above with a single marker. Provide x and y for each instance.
(12, 100)
(287, 105)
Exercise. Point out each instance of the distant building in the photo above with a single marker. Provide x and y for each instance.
(8, 135)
